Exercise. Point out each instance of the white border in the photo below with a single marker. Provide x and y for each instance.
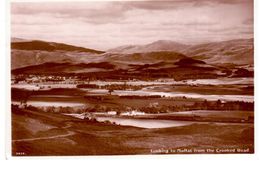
(2, 76)
(8, 83)
(148, 161)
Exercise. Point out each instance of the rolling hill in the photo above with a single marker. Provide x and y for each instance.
(33, 52)
(49, 46)
(207, 60)
(239, 52)
(66, 67)
(160, 45)
(142, 58)
(186, 68)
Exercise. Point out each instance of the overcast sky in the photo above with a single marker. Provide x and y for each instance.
(104, 25)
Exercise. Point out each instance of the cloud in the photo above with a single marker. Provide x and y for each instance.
(177, 4)
(104, 25)
(233, 1)
(108, 12)
(91, 10)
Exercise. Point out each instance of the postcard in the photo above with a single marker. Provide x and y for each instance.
(132, 77)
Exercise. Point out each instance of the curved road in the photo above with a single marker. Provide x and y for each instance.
(70, 133)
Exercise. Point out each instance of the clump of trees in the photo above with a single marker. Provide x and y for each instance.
(218, 105)
(157, 108)
(112, 86)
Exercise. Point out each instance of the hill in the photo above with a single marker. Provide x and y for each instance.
(49, 46)
(66, 67)
(160, 45)
(33, 52)
(232, 52)
(240, 52)
(210, 60)
(142, 58)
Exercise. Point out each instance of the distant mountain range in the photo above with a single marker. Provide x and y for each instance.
(160, 45)
(239, 51)
(161, 58)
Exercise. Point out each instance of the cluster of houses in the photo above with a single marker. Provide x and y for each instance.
(34, 79)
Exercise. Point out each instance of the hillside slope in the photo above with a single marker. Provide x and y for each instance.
(50, 46)
(161, 45)
(31, 52)
(240, 51)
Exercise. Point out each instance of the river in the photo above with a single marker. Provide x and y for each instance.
(143, 123)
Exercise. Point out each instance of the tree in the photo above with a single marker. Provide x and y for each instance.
(110, 91)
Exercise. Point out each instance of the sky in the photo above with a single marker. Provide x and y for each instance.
(104, 25)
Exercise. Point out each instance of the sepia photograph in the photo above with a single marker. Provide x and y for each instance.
(132, 77)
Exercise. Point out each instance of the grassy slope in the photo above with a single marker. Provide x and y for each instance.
(49, 46)
(238, 51)
(79, 137)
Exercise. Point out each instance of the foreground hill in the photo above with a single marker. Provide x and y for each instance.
(57, 134)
